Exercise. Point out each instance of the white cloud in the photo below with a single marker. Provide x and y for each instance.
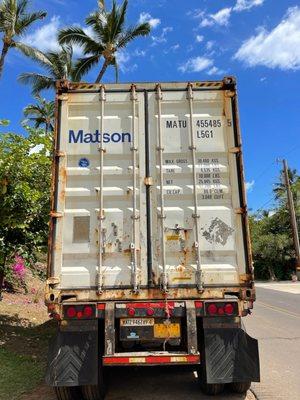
(139, 53)
(173, 48)
(210, 45)
(215, 71)
(199, 38)
(242, 5)
(124, 62)
(162, 37)
(279, 48)
(196, 64)
(146, 17)
(249, 186)
(45, 38)
(219, 18)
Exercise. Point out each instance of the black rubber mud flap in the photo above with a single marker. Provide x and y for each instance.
(73, 356)
(231, 355)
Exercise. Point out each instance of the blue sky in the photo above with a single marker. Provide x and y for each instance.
(258, 41)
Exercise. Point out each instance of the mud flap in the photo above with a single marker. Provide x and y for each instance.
(231, 355)
(73, 355)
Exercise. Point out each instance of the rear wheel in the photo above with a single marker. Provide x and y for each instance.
(67, 393)
(211, 389)
(95, 392)
(239, 387)
(92, 392)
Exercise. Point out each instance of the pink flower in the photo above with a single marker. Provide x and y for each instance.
(19, 268)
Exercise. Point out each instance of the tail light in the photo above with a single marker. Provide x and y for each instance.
(131, 312)
(214, 309)
(79, 311)
(229, 309)
(150, 312)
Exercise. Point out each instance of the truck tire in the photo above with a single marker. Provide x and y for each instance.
(67, 393)
(239, 387)
(92, 392)
(95, 392)
(211, 389)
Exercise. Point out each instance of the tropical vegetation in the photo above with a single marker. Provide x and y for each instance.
(15, 19)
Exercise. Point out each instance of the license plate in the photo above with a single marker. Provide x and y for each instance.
(167, 331)
(137, 321)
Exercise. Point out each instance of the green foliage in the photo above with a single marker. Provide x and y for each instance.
(272, 243)
(41, 113)
(58, 66)
(14, 22)
(109, 35)
(25, 168)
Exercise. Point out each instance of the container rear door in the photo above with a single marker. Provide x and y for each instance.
(77, 236)
(175, 219)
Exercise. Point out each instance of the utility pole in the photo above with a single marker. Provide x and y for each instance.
(292, 217)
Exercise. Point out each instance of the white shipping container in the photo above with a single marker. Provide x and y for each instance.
(148, 188)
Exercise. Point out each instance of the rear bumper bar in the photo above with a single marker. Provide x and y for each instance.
(150, 359)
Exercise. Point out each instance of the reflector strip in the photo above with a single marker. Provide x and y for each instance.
(191, 359)
(151, 305)
(101, 306)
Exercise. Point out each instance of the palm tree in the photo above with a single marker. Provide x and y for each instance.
(41, 113)
(58, 64)
(14, 21)
(280, 187)
(109, 35)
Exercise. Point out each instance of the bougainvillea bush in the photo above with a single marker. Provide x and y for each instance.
(25, 175)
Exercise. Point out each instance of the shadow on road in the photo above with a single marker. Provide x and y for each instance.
(163, 383)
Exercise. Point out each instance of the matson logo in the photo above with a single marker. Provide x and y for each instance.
(81, 137)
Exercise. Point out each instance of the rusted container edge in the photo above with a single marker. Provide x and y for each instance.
(56, 295)
(227, 83)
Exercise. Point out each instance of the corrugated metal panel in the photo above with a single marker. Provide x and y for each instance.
(101, 238)
(221, 254)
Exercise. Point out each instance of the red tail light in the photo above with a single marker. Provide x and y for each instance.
(229, 309)
(150, 312)
(71, 312)
(198, 304)
(88, 311)
(131, 312)
(220, 308)
(221, 311)
(78, 311)
(212, 309)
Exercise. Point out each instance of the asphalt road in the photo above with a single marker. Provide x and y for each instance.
(275, 322)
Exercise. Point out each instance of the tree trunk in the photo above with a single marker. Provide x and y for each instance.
(103, 69)
(3, 55)
(272, 273)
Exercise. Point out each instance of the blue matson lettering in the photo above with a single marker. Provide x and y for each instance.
(81, 137)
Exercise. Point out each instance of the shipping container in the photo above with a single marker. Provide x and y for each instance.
(149, 250)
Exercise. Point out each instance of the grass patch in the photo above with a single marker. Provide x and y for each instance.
(19, 374)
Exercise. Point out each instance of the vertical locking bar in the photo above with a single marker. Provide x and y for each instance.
(160, 149)
(101, 213)
(134, 270)
(196, 216)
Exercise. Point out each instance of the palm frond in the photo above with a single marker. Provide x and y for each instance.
(76, 35)
(120, 19)
(84, 65)
(133, 32)
(37, 81)
(33, 53)
(24, 22)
